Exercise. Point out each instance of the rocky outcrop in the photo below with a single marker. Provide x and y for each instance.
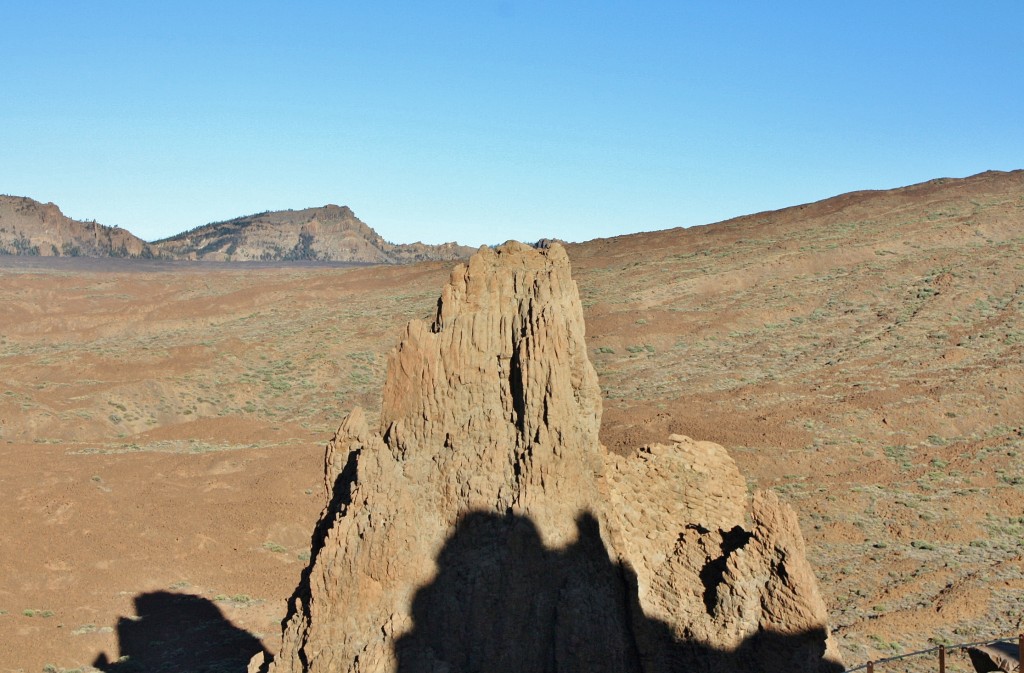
(330, 233)
(485, 528)
(678, 519)
(28, 227)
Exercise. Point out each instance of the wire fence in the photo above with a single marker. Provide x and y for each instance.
(942, 650)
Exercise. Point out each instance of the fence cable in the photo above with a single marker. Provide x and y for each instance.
(960, 646)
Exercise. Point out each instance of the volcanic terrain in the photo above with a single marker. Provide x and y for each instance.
(162, 427)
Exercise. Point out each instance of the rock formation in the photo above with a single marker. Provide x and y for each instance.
(330, 233)
(485, 528)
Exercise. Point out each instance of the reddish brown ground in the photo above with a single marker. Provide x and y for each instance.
(161, 430)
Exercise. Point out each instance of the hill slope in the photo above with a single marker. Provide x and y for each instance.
(28, 227)
(330, 233)
(862, 355)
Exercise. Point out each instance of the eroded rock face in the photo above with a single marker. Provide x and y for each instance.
(485, 528)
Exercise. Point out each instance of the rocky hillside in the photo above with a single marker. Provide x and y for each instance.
(28, 227)
(330, 233)
(485, 528)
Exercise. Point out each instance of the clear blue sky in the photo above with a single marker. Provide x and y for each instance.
(487, 120)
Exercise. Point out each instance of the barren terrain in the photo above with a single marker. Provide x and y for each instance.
(161, 427)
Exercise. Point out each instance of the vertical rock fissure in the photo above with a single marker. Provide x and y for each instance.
(517, 392)
(341, 498)
(713, 573)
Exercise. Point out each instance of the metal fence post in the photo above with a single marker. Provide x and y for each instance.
(1020, 653)
(871, 667)
(942, 659)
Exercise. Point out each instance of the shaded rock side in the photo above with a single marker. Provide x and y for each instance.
(483, 527)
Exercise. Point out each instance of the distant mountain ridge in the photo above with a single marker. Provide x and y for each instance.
(329, 233)
(28, 227)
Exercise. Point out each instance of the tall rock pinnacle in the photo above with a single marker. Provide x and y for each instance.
(485, 528)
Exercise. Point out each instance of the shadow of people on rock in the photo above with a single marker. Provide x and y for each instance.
(179, 633)
(502, 602)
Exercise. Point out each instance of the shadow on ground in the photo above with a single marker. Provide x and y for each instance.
(179, 633)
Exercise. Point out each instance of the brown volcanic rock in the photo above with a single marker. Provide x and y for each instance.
(28, 227)
(484, 411)
(330, 233)
(486, 528)
(678, 521)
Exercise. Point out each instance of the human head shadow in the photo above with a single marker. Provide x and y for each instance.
(503, 602)
(179, 633)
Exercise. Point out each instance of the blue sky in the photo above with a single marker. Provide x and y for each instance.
(489, 120)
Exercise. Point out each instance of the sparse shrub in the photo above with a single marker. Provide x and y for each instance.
(28, 612)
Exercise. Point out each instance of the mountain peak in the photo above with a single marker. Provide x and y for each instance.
(325, 233)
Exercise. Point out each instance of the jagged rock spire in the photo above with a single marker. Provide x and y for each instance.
(483, 527)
